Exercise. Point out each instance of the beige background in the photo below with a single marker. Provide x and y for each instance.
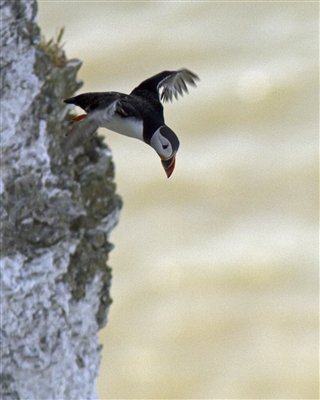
(215, 270)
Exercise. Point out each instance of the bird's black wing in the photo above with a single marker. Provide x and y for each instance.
(166, 84)
(121, 103)
(94, 101)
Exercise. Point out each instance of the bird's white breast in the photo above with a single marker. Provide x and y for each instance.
(128, 126)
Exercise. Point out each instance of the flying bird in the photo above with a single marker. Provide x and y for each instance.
(138, 115)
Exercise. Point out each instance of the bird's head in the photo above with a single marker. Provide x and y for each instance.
(166, 144)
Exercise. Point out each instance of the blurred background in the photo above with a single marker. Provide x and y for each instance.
(215, 271)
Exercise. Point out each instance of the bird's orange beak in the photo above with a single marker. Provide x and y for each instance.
(169, 165)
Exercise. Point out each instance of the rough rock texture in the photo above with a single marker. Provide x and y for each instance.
(56, 214)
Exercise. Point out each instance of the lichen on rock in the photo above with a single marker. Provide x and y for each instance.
(56, 215)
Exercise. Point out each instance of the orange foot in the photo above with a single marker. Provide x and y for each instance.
(78, 118)
(73, 120)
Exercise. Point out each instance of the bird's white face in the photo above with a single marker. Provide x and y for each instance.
(166, 144)
(161, 145)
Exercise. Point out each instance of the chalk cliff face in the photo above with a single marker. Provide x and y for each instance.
(56, 214)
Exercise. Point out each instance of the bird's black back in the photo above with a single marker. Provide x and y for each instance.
(95, 100)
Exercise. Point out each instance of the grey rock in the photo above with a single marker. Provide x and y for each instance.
(56, 214)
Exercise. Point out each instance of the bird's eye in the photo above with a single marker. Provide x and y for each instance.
(165, 146)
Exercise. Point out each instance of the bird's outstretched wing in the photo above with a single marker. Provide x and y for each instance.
(175, 84)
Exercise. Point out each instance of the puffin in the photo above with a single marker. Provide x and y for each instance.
(137, 115)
